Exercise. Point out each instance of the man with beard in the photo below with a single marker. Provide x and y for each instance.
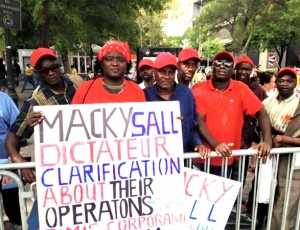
(243, 68)
(188, 60)
(284, 110)
(221, 103)
(146, 69)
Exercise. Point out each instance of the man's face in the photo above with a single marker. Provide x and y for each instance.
(114, 65)
(165, 77)
(49, 72)
(187, 69)
(243, 72)
(222, 69)
(286, 85)
(147, 73)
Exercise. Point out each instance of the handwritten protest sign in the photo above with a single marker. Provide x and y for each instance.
(110, 166)
(209, 200)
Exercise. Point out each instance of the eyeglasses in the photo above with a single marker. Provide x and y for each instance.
(227, 64)
(244, 69)
(45, 71)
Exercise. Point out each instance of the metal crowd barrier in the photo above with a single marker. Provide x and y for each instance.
(4, 171)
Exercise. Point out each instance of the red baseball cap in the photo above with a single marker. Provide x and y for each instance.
(287, 71)
(188, 53)
(146, 62)
(40, 53)
(165, 59)
(224, 55)
(246, 59)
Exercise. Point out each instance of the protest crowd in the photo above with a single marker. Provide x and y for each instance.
(234, 106)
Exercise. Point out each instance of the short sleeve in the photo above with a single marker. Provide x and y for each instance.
(251, 103)
(20, 127)
(199, 96)
(81, 92)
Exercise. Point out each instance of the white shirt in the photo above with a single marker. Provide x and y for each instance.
(142, 85)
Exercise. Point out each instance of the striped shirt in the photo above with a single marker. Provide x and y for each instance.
(280, 114)
(43, 95)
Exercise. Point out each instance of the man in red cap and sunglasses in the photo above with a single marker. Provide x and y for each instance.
(54, 89)
(146, 70)
(221, 103)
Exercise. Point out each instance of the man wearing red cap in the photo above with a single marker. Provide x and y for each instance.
(221, 103)
(243, 68)
(188, 60)
(284, 113)
(146, 70)
(115, 61)
(166, 89)
(54, 89)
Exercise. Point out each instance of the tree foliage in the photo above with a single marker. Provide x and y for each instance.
(280, 27)
(240, 17)
(210, 47)
(173, 41)
(66, 24)
(150, 29)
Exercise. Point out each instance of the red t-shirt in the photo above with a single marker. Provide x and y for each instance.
(91, 92)
(224, 112)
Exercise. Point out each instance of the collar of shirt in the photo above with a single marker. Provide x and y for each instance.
(211, 86)
(292, 97)
(157, 94)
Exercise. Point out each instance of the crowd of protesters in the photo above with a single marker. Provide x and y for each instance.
(220, 111)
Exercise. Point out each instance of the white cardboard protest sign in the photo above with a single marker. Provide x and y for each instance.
(110, 166)
(209, 199)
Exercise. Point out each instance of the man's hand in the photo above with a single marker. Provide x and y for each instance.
(28, 175)
(204, 152)
(223, 149)
(277, 140)
(34, 118)
(263, 149)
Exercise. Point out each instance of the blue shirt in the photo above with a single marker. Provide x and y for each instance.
(186, 100)
(8, 114)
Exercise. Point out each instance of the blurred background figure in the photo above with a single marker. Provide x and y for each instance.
(73, 70)
(17, 71)
(267, 81)
(2, 76)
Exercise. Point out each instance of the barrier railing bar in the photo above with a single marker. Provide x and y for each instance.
(24, 165)
(288, 186)
(272, 194)
(22, 194)
(245, 152)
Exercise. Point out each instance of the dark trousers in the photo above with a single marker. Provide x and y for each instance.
(11, 204)
(214, 170)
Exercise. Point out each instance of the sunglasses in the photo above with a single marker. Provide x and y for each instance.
(227, 64)
(45, 71)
